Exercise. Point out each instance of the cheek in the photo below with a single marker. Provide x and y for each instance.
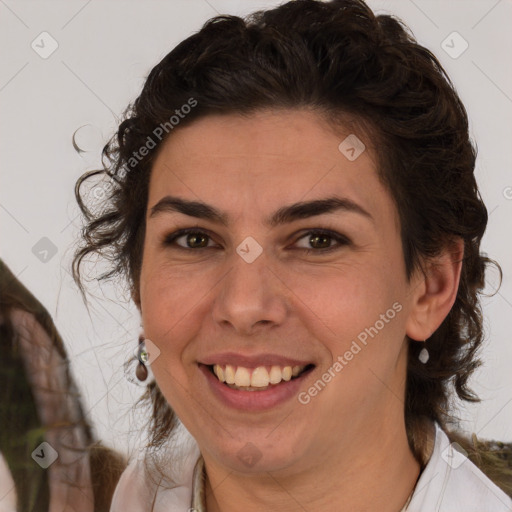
(158, 306)
(165, 301)
(345, 299)
(172, 299)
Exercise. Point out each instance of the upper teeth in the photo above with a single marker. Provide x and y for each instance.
(259, 377)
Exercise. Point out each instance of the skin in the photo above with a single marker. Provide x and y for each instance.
(347, 448)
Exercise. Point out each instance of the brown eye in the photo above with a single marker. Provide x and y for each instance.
(196, 240)
(193, 239)
(321, 241)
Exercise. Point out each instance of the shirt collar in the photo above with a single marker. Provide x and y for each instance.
(198, 503)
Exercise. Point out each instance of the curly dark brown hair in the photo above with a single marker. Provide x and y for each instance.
(341, 60)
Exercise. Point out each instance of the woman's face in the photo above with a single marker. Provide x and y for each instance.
(252, 287)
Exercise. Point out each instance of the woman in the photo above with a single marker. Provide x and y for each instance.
(294, 206)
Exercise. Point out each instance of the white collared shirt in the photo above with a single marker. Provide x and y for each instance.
(450, 482)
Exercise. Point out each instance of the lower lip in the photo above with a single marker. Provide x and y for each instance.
(253, 400)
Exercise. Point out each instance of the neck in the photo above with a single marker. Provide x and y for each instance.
(375, 467)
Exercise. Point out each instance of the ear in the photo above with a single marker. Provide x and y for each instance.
(434, 291)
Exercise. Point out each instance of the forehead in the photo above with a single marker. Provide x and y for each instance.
(267, 158)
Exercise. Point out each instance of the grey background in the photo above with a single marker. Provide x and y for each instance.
(105, 49)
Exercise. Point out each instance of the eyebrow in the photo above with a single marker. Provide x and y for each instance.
(283, 215)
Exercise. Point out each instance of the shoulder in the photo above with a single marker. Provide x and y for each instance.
(130, 491)
(136, 491)
(451, 482)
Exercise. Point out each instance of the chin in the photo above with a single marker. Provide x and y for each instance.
(256, 454)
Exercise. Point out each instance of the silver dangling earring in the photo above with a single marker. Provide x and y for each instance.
(424, 356)
(142, 372)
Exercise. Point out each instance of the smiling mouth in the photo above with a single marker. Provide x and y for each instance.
(260, 378)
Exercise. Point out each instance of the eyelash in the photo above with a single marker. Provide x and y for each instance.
(340, 239)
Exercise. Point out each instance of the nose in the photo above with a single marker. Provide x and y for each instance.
(250, 297)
